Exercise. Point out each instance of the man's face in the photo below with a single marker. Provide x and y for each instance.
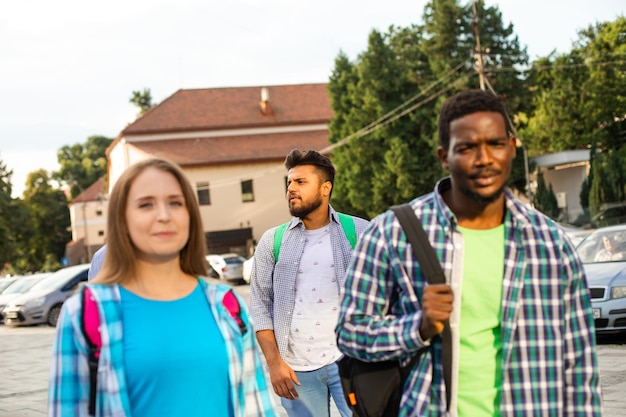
(306, 190)
(479, 157)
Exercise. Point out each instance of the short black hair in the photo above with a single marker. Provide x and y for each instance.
(468, 102)
(321, 162)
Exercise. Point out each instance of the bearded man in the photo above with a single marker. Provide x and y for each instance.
(295, 287)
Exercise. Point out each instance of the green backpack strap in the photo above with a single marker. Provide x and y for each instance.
(347, 224)
(278, 239)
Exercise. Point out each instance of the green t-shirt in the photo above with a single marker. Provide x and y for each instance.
(481, 303)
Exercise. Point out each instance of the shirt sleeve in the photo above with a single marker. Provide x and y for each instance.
(258, 399)
(582, 392)
(96, 263)
(64, 391)
(261, 282)
(368, 328)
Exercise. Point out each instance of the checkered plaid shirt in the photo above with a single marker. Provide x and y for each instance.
(272, 285)
(68, 393)
(548, 343)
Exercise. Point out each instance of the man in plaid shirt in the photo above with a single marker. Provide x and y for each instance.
(516, 297)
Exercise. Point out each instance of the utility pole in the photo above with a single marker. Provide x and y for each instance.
(483, 83)
(479, 51)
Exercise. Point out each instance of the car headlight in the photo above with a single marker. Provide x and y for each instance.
(34, 303)
(618, 292)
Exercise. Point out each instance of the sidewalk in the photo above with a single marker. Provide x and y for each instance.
(25, 364)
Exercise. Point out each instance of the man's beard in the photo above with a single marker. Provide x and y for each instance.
(306, 209)
(482, 200)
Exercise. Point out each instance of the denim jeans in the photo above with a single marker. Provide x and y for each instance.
(315, 390)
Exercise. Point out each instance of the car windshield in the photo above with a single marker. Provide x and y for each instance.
(57, 280)
(5, 282)
(603, 245)
(234, 260)
(23, 284)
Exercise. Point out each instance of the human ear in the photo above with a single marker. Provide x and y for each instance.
(442, 154)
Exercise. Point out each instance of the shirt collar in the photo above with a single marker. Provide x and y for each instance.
(515, 210)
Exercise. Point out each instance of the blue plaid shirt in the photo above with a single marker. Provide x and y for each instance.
(272, 285)
(548, 345)
(69, 380)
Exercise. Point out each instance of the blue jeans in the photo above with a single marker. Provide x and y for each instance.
(316, 388)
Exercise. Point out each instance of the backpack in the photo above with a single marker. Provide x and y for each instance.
(347, 224)
(90, 325)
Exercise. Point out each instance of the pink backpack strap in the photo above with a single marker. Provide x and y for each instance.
(91, 320)
(232, 305)
(91, 331)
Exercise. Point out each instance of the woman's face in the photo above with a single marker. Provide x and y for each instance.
(156, 215)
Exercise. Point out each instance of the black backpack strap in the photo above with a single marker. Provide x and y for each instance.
(433, 273)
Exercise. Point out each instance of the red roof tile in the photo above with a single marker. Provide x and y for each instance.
(234, 149)
(92, 192)
(235, 107)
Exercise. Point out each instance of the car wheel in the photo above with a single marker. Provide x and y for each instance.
(53, 315)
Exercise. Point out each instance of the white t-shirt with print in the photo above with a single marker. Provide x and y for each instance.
(312, 340)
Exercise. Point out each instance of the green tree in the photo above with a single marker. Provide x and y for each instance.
(50, 221)
(580, 96)
(608, 179)
(544, 199)
(82, 164)
(386, 102)
(385, 162)
(143, 100)
(7, 236)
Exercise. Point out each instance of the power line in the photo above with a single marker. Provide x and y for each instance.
(382, 121)
(395, 114)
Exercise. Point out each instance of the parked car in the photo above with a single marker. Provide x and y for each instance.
(603, 254)
(610, 214)
(19, 287)
(42, 303)
(5, 282)
(227, 267)
(575, 234)
(247, 269)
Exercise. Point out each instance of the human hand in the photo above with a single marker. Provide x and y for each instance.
(436, 308)
(282, 378)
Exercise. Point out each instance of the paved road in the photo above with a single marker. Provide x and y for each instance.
(25, 362)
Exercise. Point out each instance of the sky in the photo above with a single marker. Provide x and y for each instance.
(68, 67)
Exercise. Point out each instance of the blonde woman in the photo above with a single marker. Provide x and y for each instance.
(169, 345)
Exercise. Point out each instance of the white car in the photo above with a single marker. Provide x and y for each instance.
(227, 267)
(247, 269)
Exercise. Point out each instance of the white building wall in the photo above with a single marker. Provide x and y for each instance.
(89, 221)
(121, 156)
(227, 210)
(569, 181)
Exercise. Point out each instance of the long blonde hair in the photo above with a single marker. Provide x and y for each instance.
(119, 260)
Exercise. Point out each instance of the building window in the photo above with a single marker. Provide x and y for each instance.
(247, 192)
(98, 212)
(100, 233)
(204, 197)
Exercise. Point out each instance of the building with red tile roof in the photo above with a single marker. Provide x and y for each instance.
(231, 142)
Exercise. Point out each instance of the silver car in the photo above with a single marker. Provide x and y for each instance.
(227, 266)
(42, 303)
(603, 254)
(19, 287)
